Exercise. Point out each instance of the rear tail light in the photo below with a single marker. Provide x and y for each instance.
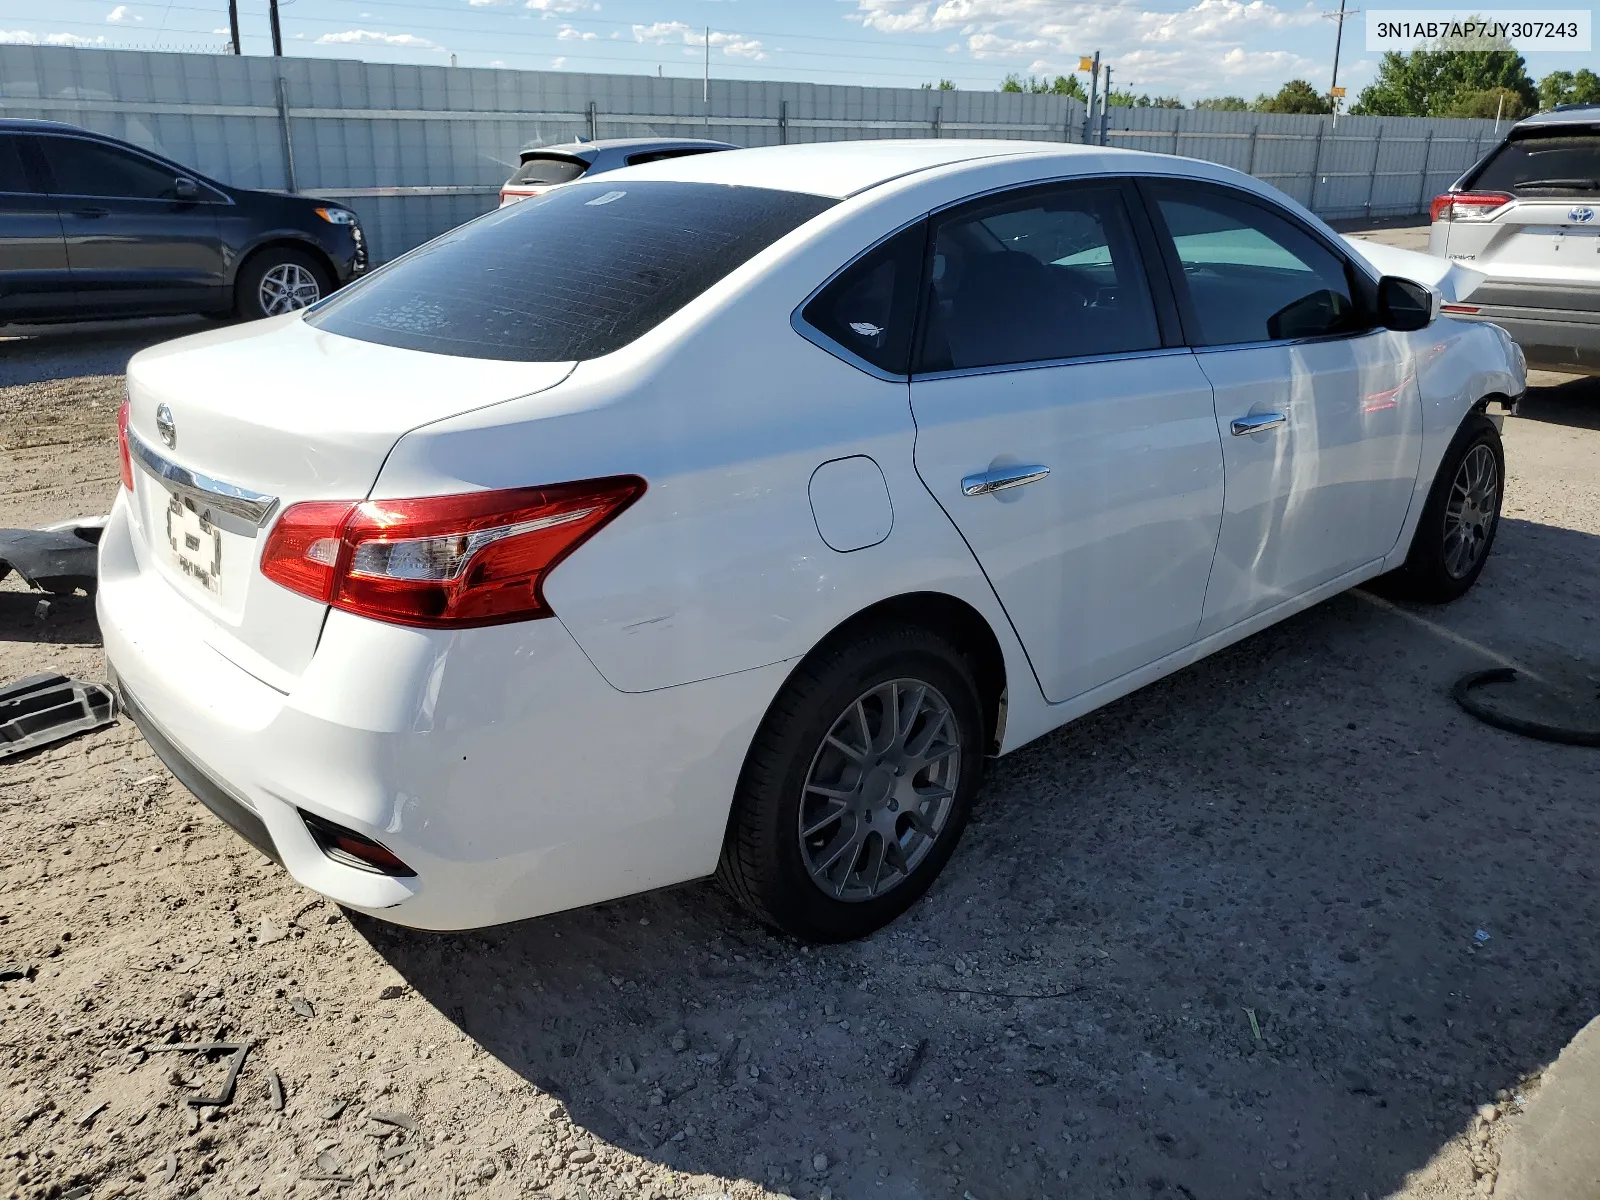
(351, 849)
(1466, 309)
(1467, 206)
(510, 195)
(441, 561)
(122, 444)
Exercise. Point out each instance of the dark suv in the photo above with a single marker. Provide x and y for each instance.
(92, 227)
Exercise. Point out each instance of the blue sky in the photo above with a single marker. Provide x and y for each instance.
(1191, 48)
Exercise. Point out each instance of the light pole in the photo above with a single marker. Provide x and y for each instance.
(277, 30)
(233, 25)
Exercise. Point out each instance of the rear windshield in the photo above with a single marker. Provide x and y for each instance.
(573, 274)
(549, 168)
(1558, 162)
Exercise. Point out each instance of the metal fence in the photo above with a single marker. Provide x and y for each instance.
(418, 149)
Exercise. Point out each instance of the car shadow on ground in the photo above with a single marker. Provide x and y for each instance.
(1273, 926)
(36, 353)
(29, 616)
(1575, 401)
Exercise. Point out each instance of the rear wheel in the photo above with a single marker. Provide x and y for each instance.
(857, 786)
(1459, 520)
(277, 280)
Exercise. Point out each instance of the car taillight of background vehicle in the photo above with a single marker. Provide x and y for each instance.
(511, 196)
(478, 558)
(1467, 206)
(126, 458)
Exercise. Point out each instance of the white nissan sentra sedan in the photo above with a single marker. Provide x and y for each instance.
(721, 516)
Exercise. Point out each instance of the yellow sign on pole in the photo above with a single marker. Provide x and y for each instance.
(1337, 93)
(1085, 63)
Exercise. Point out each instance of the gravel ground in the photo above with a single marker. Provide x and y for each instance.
(1217, 940)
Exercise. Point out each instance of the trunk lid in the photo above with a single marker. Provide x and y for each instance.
(229, 428)
(1544, 240)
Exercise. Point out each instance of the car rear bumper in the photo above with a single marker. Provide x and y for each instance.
(495, 762)
(1551, 339)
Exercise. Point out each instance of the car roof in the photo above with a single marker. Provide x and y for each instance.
(841, 169)
(608, 145)
(1563, 114)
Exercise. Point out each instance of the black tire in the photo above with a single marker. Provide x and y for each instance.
(1434, 572)
(248, 301)
(763, 860)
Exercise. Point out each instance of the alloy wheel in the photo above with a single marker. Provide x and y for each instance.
(287, 287)
(880, 790)
(1470, 513)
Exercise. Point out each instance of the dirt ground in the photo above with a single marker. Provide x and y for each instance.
(1218, 940)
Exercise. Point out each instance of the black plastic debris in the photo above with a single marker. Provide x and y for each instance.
(1564, 710)
(42, 709)
(59, 559)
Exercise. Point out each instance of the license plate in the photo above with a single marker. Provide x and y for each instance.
(196, 543)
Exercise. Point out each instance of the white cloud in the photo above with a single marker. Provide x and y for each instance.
(487, 3)
(558, 6)
(557, 63)
(24, 38)
(732, 45)
(122, 15)
(569, 34)
(1188, 49)
(368, 37)
(497, 62)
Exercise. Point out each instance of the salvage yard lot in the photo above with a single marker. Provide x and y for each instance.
(1302, 829)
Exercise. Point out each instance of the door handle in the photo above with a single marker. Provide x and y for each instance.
(91, 212)
(998, 479)
(1258, 423)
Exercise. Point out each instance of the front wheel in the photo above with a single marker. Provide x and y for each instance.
(278, 280)
(1459, 520)
(857, 785)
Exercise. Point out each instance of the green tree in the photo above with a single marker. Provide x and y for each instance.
(1433, 80)
(1061, 85)
(1567, 87)
(1296, 96)
(1489, 104)
(1157, 102)
(1224, 103)
(944, 85)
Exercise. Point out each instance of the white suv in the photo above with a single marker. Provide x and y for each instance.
(1528, 217)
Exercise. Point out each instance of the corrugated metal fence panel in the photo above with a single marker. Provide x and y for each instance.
(438, 141)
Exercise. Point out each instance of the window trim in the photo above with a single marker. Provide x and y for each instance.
(1147, 187)
(822, 341)
(1168, 327)
(48, 175)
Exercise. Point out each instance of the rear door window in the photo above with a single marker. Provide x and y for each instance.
(1045, 274)
(14, 176)
(575, 273)
(544, 170)
(1557, 162)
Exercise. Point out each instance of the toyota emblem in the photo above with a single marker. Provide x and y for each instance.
(1581, 215)
(166, 428)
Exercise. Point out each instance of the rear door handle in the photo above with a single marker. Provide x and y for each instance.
(1258, 423)
(998, 479)
(91, 212)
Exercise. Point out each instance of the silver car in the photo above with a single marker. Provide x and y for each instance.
(1528, 216)
(541, 168)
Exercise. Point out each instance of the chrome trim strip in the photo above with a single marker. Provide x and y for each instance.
(255, 507)
(1006, 368)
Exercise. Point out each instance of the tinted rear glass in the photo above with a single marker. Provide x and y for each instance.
(573, 274)
(1554, 163)
(549, 168)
